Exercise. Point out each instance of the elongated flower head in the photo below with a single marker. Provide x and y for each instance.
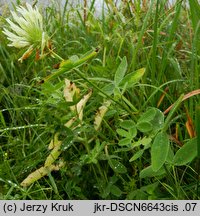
(26, 30)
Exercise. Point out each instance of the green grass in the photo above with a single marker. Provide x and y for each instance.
(146, 51)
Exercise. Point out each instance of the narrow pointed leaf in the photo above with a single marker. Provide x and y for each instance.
(137, 155)
(132, 78)
(186, 153)
(117, 166)
(121, 70)
(149, 172)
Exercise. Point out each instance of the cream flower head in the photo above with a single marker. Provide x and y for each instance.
(27, 30)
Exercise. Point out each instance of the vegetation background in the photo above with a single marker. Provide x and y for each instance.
(148, 60)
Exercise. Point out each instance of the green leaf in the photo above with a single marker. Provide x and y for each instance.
(115, 191)
(198, 130)
(121, 70)
(195, 12)
(149, 172)
(117, 93)
(170, 156)
(145, 141)
(106, 191)
(133, 132)
(148, 115)
(49, 88)
(67, 142)
(159, 150)
(67, 136)
(127, 124)
(158, 120)
(151, 187)
(125, 141)
(117, 166)
(132, 78)
(144, 126)
(109, 89)
(137, 155)
(186, 153)
(123, 133)
(113, 179)
(153, 116)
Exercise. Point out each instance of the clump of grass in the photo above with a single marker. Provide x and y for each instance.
(128, 143)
